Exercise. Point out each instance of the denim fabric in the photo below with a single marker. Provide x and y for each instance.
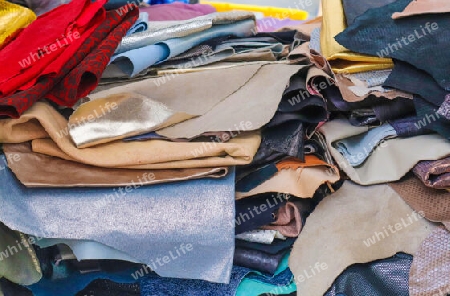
(408, 78)
(258, 260)
(408, 127)
(134, 61)
(198, 212)
(394, 109)
(358, 148)
(378, 278)
(355, 8)
(159, 286)
(376, 33)
(255, 211)
(76, 282)
(277, 246)
(256, 178)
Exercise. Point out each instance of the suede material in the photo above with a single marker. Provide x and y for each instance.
(338, 236)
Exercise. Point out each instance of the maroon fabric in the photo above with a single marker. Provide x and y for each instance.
(80, 73)
(176, 11)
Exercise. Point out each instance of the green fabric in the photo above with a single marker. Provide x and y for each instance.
(18, 261)
(249, 287)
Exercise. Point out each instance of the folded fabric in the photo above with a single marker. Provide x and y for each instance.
(258, 210)
(354, 8)
(388, 163)
(13, 18)
(19, 262)
(160, 31)
(431, 266)
(357, 149)
(275, 247)
(290, 217)
(260, 236)
(258, 260)
(281, 282)
(342, 59)
(435, 204)
(424, 33)
(200, 242)
(140, 25)
(434, 174)
(77, 75)
(300, 179)
(378, 278)
(419, 7)
(329, 244)
(134, 61)
(39, 170)
(66, 27)
(218, 107)
(170, 155)
(176, 11)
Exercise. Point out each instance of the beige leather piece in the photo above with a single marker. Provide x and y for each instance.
(27, 130)
(337, 231)
(39, 170)
(389, 161)
(288, 222)
(430, 270)
(154, 154)
(417, 7)
(223, 99)
(345, 83)
(301, 182)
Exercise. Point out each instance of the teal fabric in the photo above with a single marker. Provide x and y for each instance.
(252, 286)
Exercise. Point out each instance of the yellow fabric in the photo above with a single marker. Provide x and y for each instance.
(12, 18)
(341, 59)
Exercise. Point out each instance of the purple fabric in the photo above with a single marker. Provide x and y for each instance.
(176, 11)
(270, 24)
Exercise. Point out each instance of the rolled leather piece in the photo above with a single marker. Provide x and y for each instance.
(40, 170)
(258, 260)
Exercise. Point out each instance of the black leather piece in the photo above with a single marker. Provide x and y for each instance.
(258, 260)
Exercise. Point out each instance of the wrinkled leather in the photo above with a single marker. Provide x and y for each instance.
(257, 260)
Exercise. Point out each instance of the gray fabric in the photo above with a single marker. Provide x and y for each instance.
(147, 222)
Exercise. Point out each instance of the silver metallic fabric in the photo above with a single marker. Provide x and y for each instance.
(260, 236)
(181, 230)
(163, 30)
(129, 114)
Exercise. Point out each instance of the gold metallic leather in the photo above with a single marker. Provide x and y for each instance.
(12, 18)
(341, 59)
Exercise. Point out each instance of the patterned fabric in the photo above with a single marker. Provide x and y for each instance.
(110, 31)
(444, 110)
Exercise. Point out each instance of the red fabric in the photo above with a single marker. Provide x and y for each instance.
(78, 74)
(34, 52)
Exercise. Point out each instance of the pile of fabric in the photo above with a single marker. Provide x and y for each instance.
(176, 150)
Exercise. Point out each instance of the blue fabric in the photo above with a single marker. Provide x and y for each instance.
(358, 148)
(146, 222)
(134, 61)
(378, 278)
(140, 25)
(77, 282)
(145, 137)
(158, 286)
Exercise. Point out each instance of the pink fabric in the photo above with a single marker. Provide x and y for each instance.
(176, 11)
